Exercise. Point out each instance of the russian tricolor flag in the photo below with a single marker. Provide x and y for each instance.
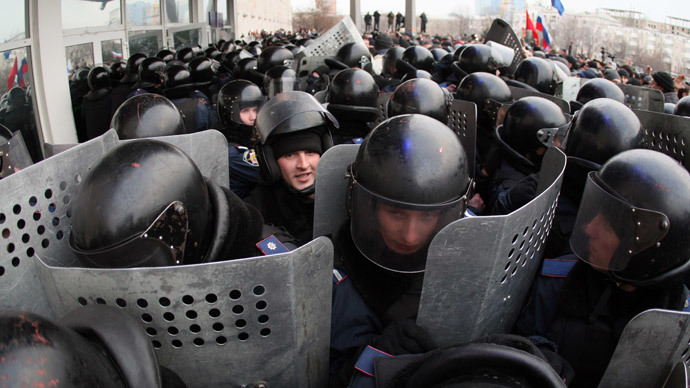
(545, 40)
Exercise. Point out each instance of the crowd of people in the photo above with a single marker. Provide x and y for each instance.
(618, 245)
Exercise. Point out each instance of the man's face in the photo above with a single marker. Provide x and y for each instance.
(299, 168)
(603, 242)
(406, 231)
(248, 115)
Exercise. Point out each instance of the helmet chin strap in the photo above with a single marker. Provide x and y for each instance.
(305, 192)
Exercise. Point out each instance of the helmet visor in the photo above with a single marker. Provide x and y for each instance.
(608, 231)
(396, 235)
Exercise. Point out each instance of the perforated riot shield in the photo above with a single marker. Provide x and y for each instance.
(678, 377)
(569, 88)
(235, 323)
(638, 97)
(665, 133)
(479, 269)
(649, 348)
(518, 93)
(14, 156)
(54, 149)
(328, 44)
(330, 205)
(36, 210)
(462, 119)
(501, 32)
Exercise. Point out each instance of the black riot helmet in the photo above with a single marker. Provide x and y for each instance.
(227, 47)
(354, 55)
(525, 126)
(682, 108)
(479, 88)
(599, 88)
(93, 346)
(244, 68)
(537, 73)
(166, 55)
(602, 129)
(251, 51)
(409, 180)
(98, 78)
(178, 82)
(212, 53)
(633, 219)
(274, 56)
(439, 54)
(422, 96)
(285, 115)
(143, 204)
(234, 97)
(201, 69)
(419, 57)
(118, 70)
(147, 115)
(185, 54)
(16, 97)
(280, 79)
(151, 73)
(353, 95)
(390, 61)
(133, 68)
(229, 60)
(480, 57)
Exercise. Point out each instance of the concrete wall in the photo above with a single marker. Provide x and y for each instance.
(257, 15)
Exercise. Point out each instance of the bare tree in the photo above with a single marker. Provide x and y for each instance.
(314, 18)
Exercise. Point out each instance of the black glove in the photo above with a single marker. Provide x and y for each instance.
(523, 192)
(404, 337)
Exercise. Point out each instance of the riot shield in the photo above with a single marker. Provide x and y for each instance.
(649, 348)
(462, 119)
(54, 149)
(307, 65)
(638, 97)
(479, 269)
(14, 156)
(501, 32)
(665, 133)
(36, 210)
(678, 377)
(569, 88)
(330, 206)
(237, 323)
(518, 93)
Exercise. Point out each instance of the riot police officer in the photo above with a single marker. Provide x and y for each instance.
(97, 103)
(630, 255)
(239, 102)
(352, 99)
(409, 179)
(292, 131)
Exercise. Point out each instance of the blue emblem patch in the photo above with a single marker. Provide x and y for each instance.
(271, 245)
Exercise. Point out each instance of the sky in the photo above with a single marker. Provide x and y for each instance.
(654, 9)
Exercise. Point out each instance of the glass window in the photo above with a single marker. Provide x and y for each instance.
(79, 55)
(90, 13)
(177, 11)
(145, 42)
(111, 51)
(143, 12)
(222, 9)
(13, 26)
(185, 38)
(16, 108)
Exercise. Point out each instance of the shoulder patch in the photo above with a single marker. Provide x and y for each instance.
(557, 268)
(338, 276)
(203, 101)
(686, 306)
(249, 157)
(357, 140)
(271, 246)
(365, 362)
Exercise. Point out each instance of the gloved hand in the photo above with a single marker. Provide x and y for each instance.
(404, 337)
(523, 192)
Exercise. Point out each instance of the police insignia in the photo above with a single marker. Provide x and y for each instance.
(271, 245)
(249, 157)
